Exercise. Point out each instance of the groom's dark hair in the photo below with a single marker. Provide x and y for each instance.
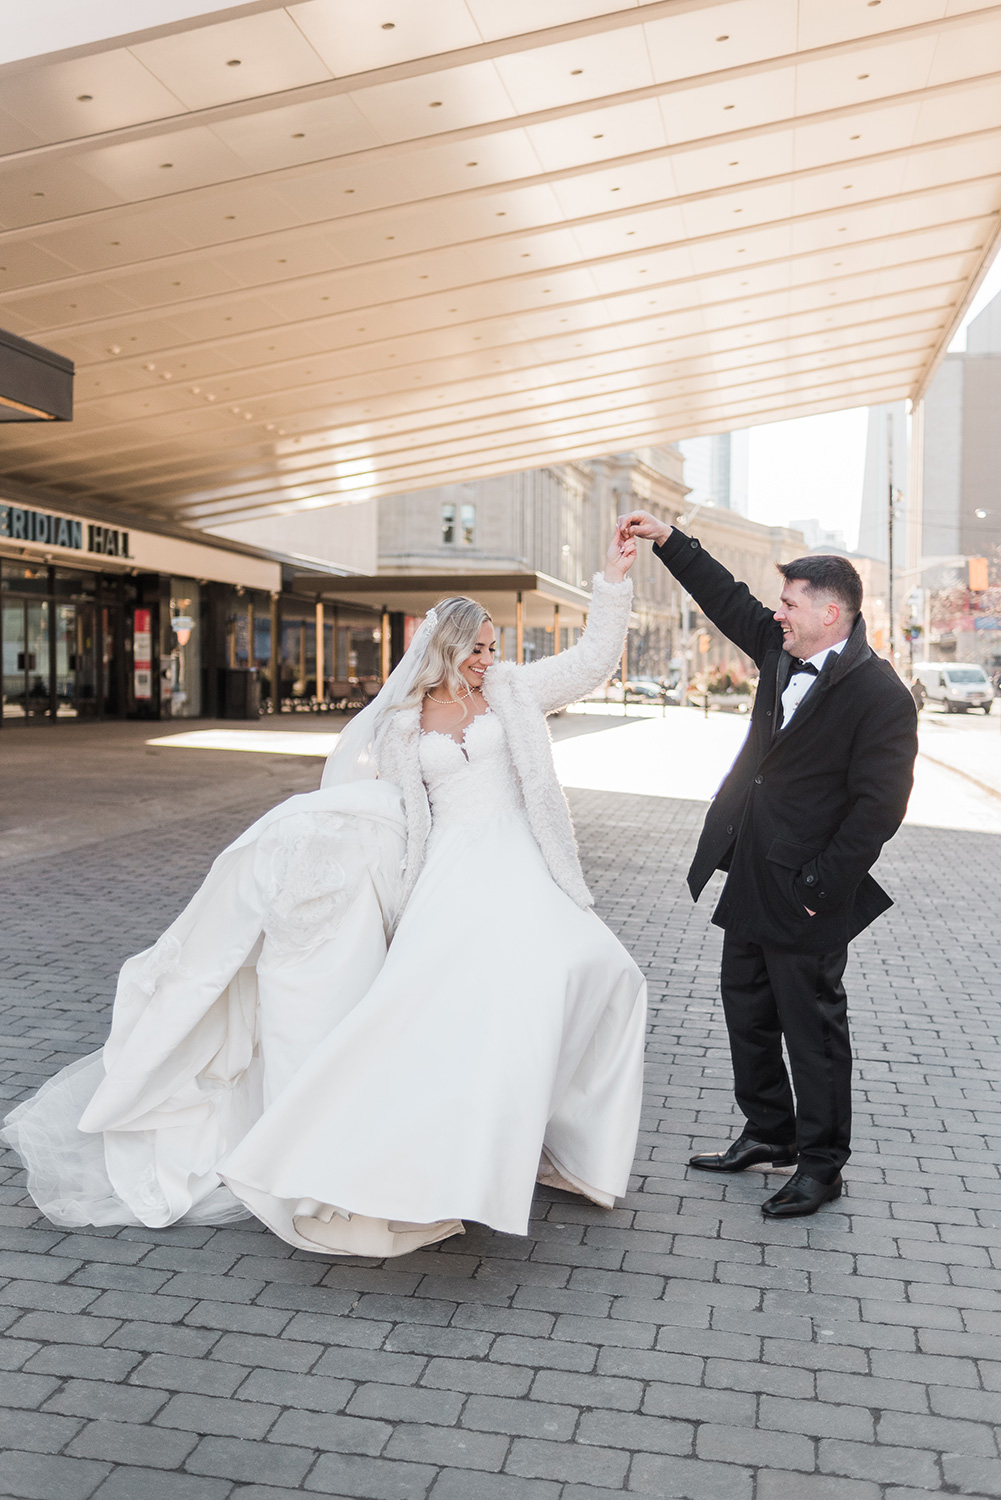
(826, 573)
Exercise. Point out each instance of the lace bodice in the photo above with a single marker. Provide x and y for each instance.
(471, 781)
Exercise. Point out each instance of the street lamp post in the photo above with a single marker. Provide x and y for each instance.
(893, 498)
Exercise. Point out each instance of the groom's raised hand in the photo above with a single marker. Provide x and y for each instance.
(642, 523)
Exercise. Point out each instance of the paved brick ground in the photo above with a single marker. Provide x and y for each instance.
(678, 1346)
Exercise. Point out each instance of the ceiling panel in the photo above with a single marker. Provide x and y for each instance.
(398, 245)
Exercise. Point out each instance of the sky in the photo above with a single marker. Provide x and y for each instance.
(813, 467)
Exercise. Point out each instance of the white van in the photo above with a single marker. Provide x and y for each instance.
(957, 685)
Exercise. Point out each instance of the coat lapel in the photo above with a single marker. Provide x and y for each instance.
(781, 680)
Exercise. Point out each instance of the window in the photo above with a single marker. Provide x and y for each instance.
(448, 525)
(468, 525)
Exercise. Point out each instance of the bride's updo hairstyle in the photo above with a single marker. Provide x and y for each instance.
(453, 636)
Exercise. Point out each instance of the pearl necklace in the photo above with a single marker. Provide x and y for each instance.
(449, 702)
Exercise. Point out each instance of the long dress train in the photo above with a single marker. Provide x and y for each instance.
(275, 1054)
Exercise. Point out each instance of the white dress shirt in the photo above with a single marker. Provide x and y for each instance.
(800, 682)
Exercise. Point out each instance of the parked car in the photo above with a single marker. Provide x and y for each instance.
(957, 686)
(647, 690)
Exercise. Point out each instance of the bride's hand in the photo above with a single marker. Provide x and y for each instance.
(620, 556)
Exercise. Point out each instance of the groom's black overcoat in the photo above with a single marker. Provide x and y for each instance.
(803, 812)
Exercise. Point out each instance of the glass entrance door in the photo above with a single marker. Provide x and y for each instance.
(15, 648)
(26, 676)
(76, 661)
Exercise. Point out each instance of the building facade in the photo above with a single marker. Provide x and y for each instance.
(559, 520)
(99, 619)
(958, 517)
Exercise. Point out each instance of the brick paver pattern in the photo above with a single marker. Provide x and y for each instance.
(677, 1346)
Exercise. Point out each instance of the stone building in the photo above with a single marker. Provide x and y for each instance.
(557, 521)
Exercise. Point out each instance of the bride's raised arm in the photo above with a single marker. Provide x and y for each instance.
(558, 680)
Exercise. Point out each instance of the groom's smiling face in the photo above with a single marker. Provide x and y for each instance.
(810, 621)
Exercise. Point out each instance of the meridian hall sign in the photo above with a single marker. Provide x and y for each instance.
(41, 529)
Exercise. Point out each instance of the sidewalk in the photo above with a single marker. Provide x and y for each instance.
(679, 1346)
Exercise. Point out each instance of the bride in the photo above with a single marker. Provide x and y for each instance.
(389, 1008)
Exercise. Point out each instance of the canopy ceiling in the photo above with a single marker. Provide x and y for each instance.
(310, 252)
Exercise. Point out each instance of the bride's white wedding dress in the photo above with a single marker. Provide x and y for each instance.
(273, 1054)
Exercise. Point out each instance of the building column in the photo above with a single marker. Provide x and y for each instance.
(556, 630)
(276, 653)
(321, 673)
(519, 629)
(385, 644)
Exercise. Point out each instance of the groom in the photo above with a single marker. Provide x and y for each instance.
(820, 784)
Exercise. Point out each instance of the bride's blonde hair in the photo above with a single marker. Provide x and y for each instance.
(457, 624)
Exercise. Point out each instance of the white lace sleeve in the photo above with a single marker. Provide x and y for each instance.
(556, 681)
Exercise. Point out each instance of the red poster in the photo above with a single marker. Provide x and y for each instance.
(142, 654)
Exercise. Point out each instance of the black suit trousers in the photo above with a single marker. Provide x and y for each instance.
(769, 994)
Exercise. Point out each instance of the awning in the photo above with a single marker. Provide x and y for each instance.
(499, 593)
(320, 251)
(35, 384)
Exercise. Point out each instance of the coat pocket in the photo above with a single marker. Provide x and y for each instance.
(791, 855)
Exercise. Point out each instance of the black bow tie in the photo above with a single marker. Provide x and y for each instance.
(807, 667)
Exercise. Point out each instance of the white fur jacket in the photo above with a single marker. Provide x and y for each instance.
(520, 696)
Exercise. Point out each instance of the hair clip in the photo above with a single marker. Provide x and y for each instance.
(432, 617)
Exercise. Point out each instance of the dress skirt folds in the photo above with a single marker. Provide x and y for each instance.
(275, 1054)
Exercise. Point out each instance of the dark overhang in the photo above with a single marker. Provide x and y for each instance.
(35, 384)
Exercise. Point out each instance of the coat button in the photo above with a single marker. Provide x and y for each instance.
(729, 828)
(693, 545)
(768, 714)
(810, 879)
(758, 780)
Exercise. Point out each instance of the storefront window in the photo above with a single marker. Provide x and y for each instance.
(183, 677)
(23, 578)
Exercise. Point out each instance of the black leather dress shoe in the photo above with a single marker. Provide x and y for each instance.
(801, 1195)
(745, 1152)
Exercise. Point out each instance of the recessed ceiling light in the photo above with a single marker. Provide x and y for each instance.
(861, 76)
(435, 104)
(38, 195)
(389, 25)
(298, 135)
(349, 190)
(114, 242)
(234, 62)
(599, 137)
(472, 163)
(391, 236)
(722, 38)
(576, 72)
(728, 106)
(84, 98)
(229, 216)
(735, 164)
(846, 187)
